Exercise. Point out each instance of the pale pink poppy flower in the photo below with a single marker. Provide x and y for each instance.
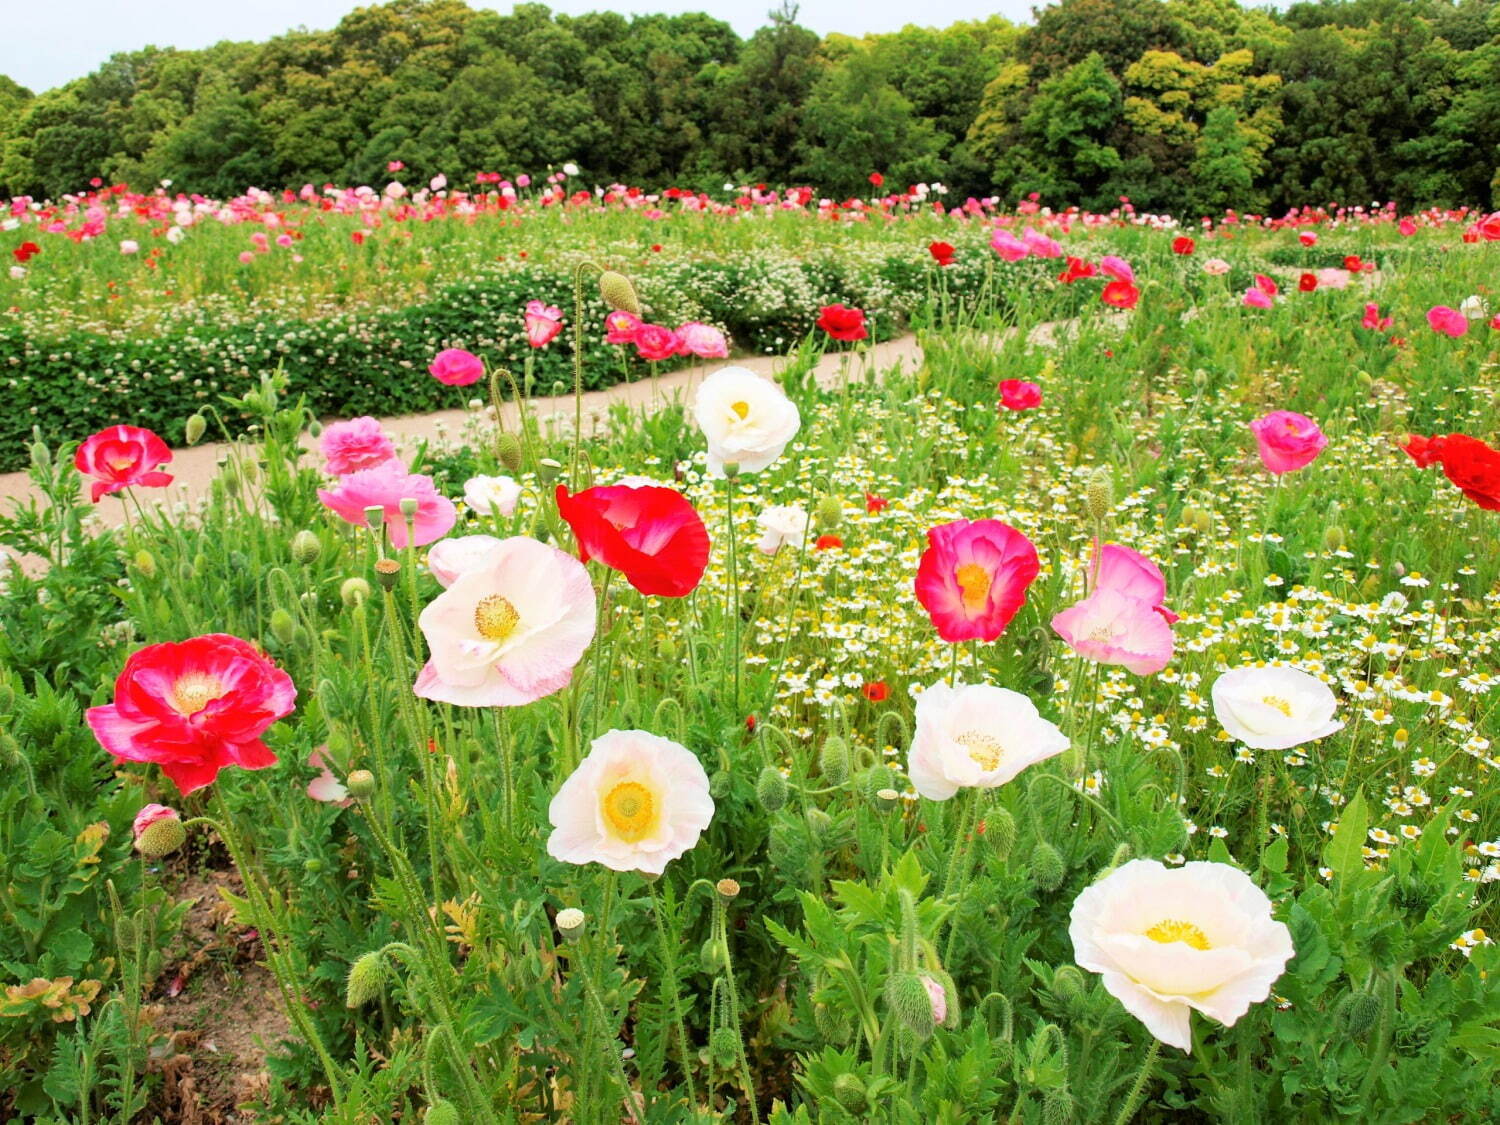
(1117, 268)
(129, 246)
(1332, 278)
(543, 323)
(1040, 245)
(326, 787)
(246, 257)
(976, 736)
(450, 559)
(359, 443)
(637, 802)
(1215, 267)
(384, 487)
(703, 340)
(523, 180)
(510, 629)
(1132, 574)
(1008, 246)
(1256, 299)
(1111, 628)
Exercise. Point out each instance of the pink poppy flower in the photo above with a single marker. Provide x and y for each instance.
(973, 577)
(1450, 322)
(1112, 628)
(653, 342)
(1266, 285)
(1040, 245)
(326, 786)
(1131, 573)
(1256, 299)
(1017, 394)
(543, 323)
(359, 443)
(1008, 246)
(621, 327)
(1287, 440)
(1407, 228)
(1374, 321)
(1308, 238)
(1117, 268)
(510, 629)
(194, 708)
(384, 487)
(122, 457)
(456, 367)
(703, 340)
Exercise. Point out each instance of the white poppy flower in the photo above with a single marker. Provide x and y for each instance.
(492, 495)
(1274, 708)
(782, 525)
(976, 736)
(747, 420)
(451, 558)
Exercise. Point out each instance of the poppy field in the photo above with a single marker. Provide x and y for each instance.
(1093, 720)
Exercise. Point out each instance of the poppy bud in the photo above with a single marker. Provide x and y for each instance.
(1047, 866)
(910, 1002)
(999, 830)
(871, 781)
(713, 955)
(834, 761)
(366, 980)
(849, 1092)
(353, 592)
(145, 562)
(306, 547)
(41, 456)
(818, 823)
(1359, 1013)
(508, 448)
(724, 1046)
(441, 1112)
(193, 429)
(618, 293)
(1100, 493)
(161, 836)
(720, 784)
(1057, 1107)
(1067, 982)
(834, 1023)
(7, 698)
(771, 789)
(315, 429)
(361, 784)
(828, 513)
(283, 627)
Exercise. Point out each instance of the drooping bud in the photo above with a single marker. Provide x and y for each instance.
(306, 547)
(158, 831)
(570, 922)
(713, 955)
(366, 980)
(283, 627)
(386, 572)
(828, 513)
(193, 429)
(719, 784)
(361, 784)
(1047, 866)
(1333, 538)
(1100, 492)
(315, 429)
(849, 1092)
(618, 293)
(353, 592)
(819, 823)
(907, 996)
(508, 448)
(724, 1046)
(441, 1112)
(834, 761)
(145, 562)
(771, 789)
(1067, 982)
(999, 830)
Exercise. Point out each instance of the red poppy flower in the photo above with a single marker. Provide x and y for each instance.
(875, 503)
(843, 323)
(1182, 244)
(1018, 394)
(942, 252)
(1307, 282)
(26, 251)
(651, 535)
(876, 691)
(1468, 462)
(1353, 264)
(194, 708)
(877, 179)
(121, 457)
(1120, 294)
(1077, 270)
(828, 543)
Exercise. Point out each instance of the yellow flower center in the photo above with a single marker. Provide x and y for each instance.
(974, 581)
(1175, 929)
(193, 692)
(741, 408)
(1277, 702)
(121, 463)
(630, 810)
(983, 748)
(495, 618)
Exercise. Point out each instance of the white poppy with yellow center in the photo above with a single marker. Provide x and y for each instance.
(976, 736)
(746, 418)
(1274, 707)
(1168, 940)
(637, 802)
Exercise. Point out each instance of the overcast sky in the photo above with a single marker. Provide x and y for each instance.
(42, 46)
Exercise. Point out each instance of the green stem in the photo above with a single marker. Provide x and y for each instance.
(673, 995)
(1138, 1088)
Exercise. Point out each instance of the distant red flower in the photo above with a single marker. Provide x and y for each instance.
(750, 723)
(1182, 244)
(652, 535)
(942, 252)
(1017, 394)
(877, 179)
(26, 251)
(1120, 294)
(1077, 270)
(843, 323)
(875, 503)
(121, 457)
(357, 237)
(1353, 264)
(876, 691)
(1307, 282)
(828, 543)
(1468, 462)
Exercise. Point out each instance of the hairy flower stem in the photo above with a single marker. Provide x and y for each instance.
(670, 988)
(416, 731)
(1138, 1088)
(578, 369)
(734, 588)
(956, 880)
(721, 935)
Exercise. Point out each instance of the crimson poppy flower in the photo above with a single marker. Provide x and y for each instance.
(1182, 244)
(651, 535)
(1120, 294)
(875, 503)
(1307, 282)
(877, 179)
(1077, 270)
(1468, 462)
(876, 691)
(942, 252)
(1018, 394)
(843, 322)
(26, 251)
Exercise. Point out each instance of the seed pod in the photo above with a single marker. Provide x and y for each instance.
(508, 448)
(728, 890)
(771, 789)
(366, 980)
(306, 547)
(1100, 493)
(570, 922)
(1047, 866)
(909, 1001)
(193, 428)
(386, 573)
(618, 293)
(835, 760)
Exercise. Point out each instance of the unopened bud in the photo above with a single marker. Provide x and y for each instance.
(1067, 982)
(666, 648)
(618, 293)
(508, 448)
(306, 547)
(41, 456)
(145, 562)
(819, 823)
(771, 789)
(724, 1046)
(1360, 1011)
(835, 761)
(1057, 1107)
(719, 784)
(361, 784)
(353, 592)
(713, 955)
(570, 922)
(849, 1092)
(1047, 866)
(158, 831)
(828, 513)
(441, 1112)
(7, 698)
(315, 429)
(1100, 493)
(386, 573)
(283, 627)
(366, 980)
(999, 830)
(193, 429)
(871, 781)
(907, 996)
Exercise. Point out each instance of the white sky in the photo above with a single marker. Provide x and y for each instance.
(42, 47)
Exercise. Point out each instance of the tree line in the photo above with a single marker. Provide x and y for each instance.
(1191, 106)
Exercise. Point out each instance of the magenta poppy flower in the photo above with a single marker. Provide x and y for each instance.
(620, 327)
(973, 577)
(653, 342)
(359, 443)
(122, 457)
(384, 487)
(1017, 394)
(1117, 268)
(543, 323)
(1287, 440)
(1008, 246)
(1450, 322)
(456, 367)
(1256, 299)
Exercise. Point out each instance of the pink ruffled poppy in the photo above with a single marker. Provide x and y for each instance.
(543, 323)
(1008, 246)
(703, 340)
(620, 327)
(1450, 322)
(456, 367)
(384, 487)
(1112, 628)
(1017, 394)
(359, 443)
(653, 342)
(973, 577)
(1287, 441)
(122, 457)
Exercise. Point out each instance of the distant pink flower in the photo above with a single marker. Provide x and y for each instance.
(1017, 394)
(1407, 227)
(1040, 245)
(326, 787)
(1266, 285)
(1287, 440)
(1332, 278)
(1256, 299)
(1215, 267)
(359, 443)
(122, 457)
(1008, 246)
(653, 342)
(1117, 268)
(456, 367)
(384, 487)
(543, 323)
(394, 166)
(1308, 238)
(703, 340)
(621, 327)
(246, 257)
(129, 246)
(1374, 321)
(523, 180)
(1110, 628)
(1450, 322)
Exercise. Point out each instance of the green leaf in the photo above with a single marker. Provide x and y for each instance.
(1345, 852)
(1218, 852)
(1274, 857)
